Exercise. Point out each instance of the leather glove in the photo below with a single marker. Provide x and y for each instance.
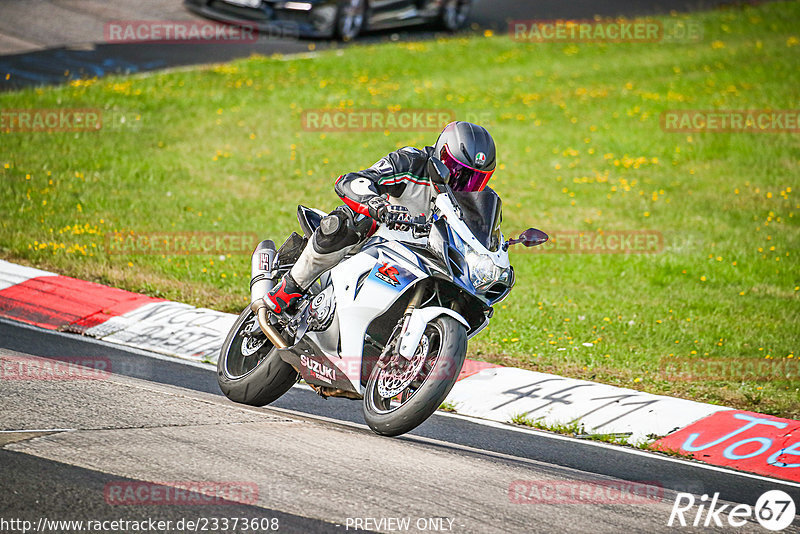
(395, 217)
(377, 207)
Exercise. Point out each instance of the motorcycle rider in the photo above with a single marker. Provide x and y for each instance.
(392, 192)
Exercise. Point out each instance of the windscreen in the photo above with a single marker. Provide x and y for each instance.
(482, 212)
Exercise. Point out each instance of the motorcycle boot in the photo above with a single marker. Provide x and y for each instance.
(337, 235)
(285, 295)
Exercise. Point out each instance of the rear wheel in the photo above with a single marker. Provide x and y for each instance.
(249, 369)
(418, 386)
(350, 19)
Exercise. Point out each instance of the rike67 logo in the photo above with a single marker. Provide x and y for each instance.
(775, 510)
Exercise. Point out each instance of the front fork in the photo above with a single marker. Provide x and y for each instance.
(389, 353)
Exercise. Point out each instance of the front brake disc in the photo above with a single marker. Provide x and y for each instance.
(393, 379)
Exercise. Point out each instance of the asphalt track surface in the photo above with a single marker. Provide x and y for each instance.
(60, 483)
(59, 489)
(46, 42)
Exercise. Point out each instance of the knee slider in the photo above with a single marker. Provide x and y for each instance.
(330, 225)
(335, 232)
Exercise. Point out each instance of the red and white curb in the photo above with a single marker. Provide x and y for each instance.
(718, 435)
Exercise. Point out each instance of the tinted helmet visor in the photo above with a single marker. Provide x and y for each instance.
(463, 177)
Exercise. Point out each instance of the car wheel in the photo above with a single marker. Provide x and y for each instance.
(455, 13)
(350, 19)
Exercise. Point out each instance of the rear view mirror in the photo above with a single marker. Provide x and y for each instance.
(530, 238)
(438, 171)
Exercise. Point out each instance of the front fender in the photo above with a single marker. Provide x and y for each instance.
(420, 318)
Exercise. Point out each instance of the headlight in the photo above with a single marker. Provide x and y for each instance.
(483, 272)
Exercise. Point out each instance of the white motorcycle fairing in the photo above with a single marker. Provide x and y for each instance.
(364, 286)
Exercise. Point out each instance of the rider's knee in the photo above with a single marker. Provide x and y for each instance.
(336, 231)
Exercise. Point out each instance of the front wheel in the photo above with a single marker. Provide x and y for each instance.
(249, 369)
(455, 14)
(420, 385)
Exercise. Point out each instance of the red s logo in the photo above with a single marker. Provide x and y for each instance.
(388, 274)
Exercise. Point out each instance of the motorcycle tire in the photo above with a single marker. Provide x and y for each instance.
(390, 419)
(256, 379)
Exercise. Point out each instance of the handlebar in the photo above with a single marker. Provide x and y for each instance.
(420, 225)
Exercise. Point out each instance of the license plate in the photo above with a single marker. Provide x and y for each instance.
(244, 3)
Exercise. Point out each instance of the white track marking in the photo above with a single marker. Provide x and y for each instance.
(38, 430)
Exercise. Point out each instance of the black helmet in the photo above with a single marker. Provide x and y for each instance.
(468, 151)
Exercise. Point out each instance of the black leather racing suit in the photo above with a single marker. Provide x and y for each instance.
(401, 177)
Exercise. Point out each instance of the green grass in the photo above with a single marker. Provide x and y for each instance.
(676, 453)
(571, 429)
(448, 406)
(576, 430)
(580, 146)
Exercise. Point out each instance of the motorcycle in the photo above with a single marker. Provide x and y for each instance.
(389, 324)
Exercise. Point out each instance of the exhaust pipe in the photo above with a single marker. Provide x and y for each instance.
(270, 331)
(261, 279)
(261, 282)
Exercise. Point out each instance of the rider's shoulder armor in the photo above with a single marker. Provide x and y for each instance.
(401, 175)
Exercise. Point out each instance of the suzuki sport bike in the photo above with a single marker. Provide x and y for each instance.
(389, 324)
